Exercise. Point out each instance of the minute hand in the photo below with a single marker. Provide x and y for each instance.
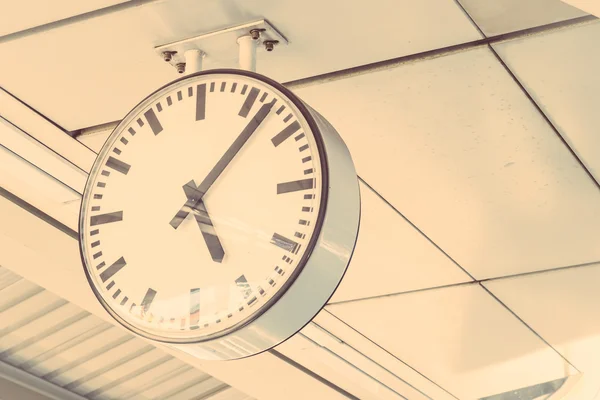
(230, 154)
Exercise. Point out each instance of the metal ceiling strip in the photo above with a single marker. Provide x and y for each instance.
(17, 293)
(20, 313)
(143, 388)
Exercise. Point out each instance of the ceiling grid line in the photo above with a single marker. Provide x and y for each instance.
(544, 116)
(528, 326)
(156, 382)
(391, 354)
(431, 54)
(416, 228)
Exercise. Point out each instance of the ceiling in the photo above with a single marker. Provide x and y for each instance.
(473, 127)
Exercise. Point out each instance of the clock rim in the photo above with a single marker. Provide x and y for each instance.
(317, 134)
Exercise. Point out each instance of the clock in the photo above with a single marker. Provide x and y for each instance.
(220, 215)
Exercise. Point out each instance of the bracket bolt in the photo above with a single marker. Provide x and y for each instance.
(270, 44)
(180, 67)
(255, 33)
(168, 55)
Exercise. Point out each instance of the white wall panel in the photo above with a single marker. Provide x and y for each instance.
(562, 306)
(455, 145)
(108, 64)
(560, 71)
(392, 256)
(460, 337)
(503, 16)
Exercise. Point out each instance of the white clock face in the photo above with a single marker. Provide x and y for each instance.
(201, 207)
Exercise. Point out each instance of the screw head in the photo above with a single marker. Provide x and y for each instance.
(270, 44)
(255, 33)
(168, 55)
(180, 68)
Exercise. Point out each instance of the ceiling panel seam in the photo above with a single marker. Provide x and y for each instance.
(185, 386)
(391, 354)
(308, 372)
(38, 213)
(464, 10)
(45, 118)
(416, 227)
(435, 53)
(155, 382)
(75, 19)
(528, 326)
(544, 115)
(211, 393)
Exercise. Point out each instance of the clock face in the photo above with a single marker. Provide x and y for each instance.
(202, 207)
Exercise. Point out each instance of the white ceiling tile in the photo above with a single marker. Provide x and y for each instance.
(560, 71)
(460, 337)
(24, 14)
(562, 306)
(391, 256)
(95, 71)
(503, 16)
(460, 151)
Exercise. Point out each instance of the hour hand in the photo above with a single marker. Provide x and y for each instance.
(202, 218)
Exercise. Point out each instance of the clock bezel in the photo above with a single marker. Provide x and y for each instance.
(135, 112)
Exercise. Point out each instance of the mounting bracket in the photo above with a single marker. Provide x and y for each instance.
(223, 47)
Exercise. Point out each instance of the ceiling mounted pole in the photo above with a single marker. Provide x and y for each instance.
(247, 53)
(193, 61)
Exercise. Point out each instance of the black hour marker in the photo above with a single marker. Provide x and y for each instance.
(303, 222)
(280, 110)
(263, 97)
(106, 218)
(279, 271)
(131, 306)
(286, 119)
(140, 122)
(117, 151)
(190, 91)
(299, 235)
(101, 265)
(169, 101)
(306, 159)
(148, 299)
(118, 165)
(233, 87)
(96, 244)
(307, 209)
(223, 86)
(284, 243)
(117, 293)
(271, 282)
(97, 255)
(201, 102)
(285, 133)
(106, 173)
(159, 107)
(252, 300)
(124, 141)
(212, 86)
(308, 171)
(98, 197)
(96, 208)
(124, 300)
(113, 269)
(244, 88)
(131, 131)
(94, 232)
(302, 148)
(110, 285)
(194, 308)
(261, 291)
(179, 96)
(101, 184)
(247, 106)
(300, 136)
(153, 121)
(294, 186)
(244, 286)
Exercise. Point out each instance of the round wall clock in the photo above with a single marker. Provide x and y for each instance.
(220, 215)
